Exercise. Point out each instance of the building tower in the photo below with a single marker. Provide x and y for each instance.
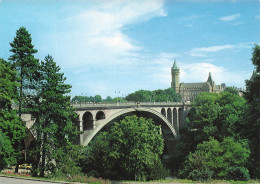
(212, 83)
(176, 77)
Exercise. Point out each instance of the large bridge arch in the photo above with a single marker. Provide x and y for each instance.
(167, 128)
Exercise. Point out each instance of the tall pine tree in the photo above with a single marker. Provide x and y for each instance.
(27, 66)
(54, 126)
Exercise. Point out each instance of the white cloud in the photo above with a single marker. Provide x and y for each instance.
(229, 17)
(99, 29)
(202, 51)
(237, 23)
(198, 72)
(257, 17)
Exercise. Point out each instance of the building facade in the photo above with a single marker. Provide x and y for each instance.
(189, 91)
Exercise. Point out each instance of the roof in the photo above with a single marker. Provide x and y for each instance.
(195, 85)
(175, 66)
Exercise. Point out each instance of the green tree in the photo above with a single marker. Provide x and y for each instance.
(108, 99)
(12, 129)
(252, 116)
(232, 90)
(203, 115)
(98, 98)
(218, 160)
(140, 96)
(211, 115)
(6, 151)
(26, 65)
(159, 95)
(131, 149)
(217, 115)
(166, 95)
(54, 116)
(230, 121)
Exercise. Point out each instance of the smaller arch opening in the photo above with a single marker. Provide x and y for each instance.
(100, 115)
(163, 112)
(88, 122)
(169, 115)
(180, 115)
(175, 120)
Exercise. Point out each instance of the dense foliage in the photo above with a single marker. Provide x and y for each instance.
(212, 116)
(38, 89)
(225, 122)
(130, 150)
(166, 95)
(218, 160)
(54, 115)
(251, 129)
(12, 128)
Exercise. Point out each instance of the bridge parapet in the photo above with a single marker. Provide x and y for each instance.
(129, 105)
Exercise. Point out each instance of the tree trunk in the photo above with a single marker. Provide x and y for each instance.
(43, 155)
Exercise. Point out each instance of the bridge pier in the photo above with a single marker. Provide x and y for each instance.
(81, 130)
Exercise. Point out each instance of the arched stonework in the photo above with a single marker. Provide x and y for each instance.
(168, 130)
(180, 116)
(175, 120)
(88, 121)
(109, 119)
(163, 112)
(169, 115)
(100, 115)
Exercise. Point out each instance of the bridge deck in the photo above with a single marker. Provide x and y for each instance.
(93, 106)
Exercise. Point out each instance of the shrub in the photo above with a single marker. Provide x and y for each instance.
(200, 175)
(237, 173)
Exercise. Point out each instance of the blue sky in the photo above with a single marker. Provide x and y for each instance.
(105, 47)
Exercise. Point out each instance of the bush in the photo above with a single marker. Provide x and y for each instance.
(238, 173)
(200, 175)
(219, 160)
(159, 171)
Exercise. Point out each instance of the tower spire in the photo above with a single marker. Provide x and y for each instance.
(210, 80)
(175, 66)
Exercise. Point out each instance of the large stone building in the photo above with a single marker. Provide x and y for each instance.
(189, 91)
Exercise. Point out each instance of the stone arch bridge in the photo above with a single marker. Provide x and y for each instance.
(93, 117)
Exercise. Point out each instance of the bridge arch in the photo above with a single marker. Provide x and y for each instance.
(100, 115)
(163, 112)
(88, 121)
(180, 115)
(169, 115)
(175, 120)
(154, 114)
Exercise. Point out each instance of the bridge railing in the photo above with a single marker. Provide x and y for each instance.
(123, 104)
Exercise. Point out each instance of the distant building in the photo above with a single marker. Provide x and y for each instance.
(189, 91)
